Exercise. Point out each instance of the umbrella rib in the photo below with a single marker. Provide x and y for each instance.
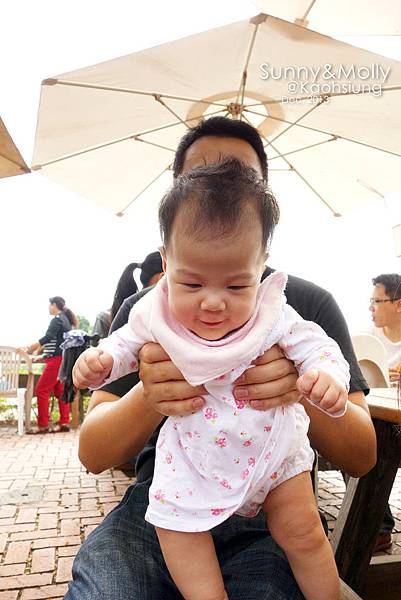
(308, 10)
(241, 91)
(292, 168)
(322, 131)
(121, 212)
(138, 139)
(333, 139)
(335, 213)
(109, 88)
(134, 136)
(158, 98)
(312, 97)
(321, 101)
(21, 166)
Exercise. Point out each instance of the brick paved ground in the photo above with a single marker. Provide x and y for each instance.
(49, 505)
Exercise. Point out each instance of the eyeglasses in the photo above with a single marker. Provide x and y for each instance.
(375, 302)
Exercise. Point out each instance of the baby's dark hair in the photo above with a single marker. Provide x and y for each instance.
(217, 199)
(220, 127)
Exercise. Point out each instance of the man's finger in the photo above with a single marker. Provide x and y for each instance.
(180, 407)
(268, 403)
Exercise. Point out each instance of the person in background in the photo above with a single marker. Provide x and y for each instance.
(151, 271)
(385, 308)
(63, 320)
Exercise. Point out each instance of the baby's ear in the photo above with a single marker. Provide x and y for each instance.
(162, 251)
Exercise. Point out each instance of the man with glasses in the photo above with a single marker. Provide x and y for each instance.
(385, 306)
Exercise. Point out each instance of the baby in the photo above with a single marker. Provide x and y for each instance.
(213, 317)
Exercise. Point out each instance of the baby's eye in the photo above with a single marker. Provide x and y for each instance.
(192, 285)
(236, 287)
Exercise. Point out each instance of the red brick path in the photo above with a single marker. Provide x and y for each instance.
(49, 505)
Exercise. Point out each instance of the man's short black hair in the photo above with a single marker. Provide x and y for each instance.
(220, 127)
(216, 199)
(391, 283)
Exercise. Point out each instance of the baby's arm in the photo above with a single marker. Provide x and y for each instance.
(324, 373)
(116, 355)
(91, 368)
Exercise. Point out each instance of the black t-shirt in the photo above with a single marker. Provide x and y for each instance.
(53, 337)
(312, 302)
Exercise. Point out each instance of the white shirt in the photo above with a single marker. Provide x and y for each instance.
(393, 349)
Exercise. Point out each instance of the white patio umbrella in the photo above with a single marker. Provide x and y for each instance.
(342, 17)
(330, 116)
(11, 161)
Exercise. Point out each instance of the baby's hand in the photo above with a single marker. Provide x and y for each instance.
(92, 368)
(324, 391)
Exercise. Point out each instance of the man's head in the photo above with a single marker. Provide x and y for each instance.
(216, 223)
(217, 138)
(385, 304)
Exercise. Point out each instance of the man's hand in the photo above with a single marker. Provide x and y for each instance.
(323, 391)
(92, 368)
(270, 383)
(164, 386)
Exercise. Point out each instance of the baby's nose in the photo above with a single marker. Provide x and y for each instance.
(213, 302)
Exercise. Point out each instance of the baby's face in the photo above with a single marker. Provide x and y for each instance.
(213, 283)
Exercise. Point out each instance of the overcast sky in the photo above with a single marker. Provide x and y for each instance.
(56, 243)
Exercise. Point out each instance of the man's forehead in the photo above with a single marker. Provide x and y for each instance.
(213, 149)
(379, 290)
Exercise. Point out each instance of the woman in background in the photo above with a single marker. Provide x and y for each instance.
(63, 320)
(151, 271)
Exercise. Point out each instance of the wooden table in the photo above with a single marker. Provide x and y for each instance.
(364, 503)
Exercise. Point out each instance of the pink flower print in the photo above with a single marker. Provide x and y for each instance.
(251, 461)
(177, 496)
(221, 378)
(325, 355)
(267, 428)
(189, 434)
(225, 484)
(175, 512)
(220, 441)
(169, 458)
(248, 443)
(190, 492)
(161, 443)
(268, 456)
(245, 474)
(160, 495)
(236, 460)
(240, 403)
(224, 398)
(133, 365)
(210, 414)
(216, 511)
(274, 475)
(251, 513)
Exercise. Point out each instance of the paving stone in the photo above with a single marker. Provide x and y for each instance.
(24, 581)
(17, 552)
(47, 592)
(43, 560)
(64, 569)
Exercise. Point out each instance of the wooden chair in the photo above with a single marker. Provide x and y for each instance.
(373, 359)
(10, 362)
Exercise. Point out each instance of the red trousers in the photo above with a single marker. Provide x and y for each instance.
(47, 384)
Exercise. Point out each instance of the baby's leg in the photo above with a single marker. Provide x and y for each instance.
(294, 523)
(192, 561)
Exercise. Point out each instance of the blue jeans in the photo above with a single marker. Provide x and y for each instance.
(121, 559)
